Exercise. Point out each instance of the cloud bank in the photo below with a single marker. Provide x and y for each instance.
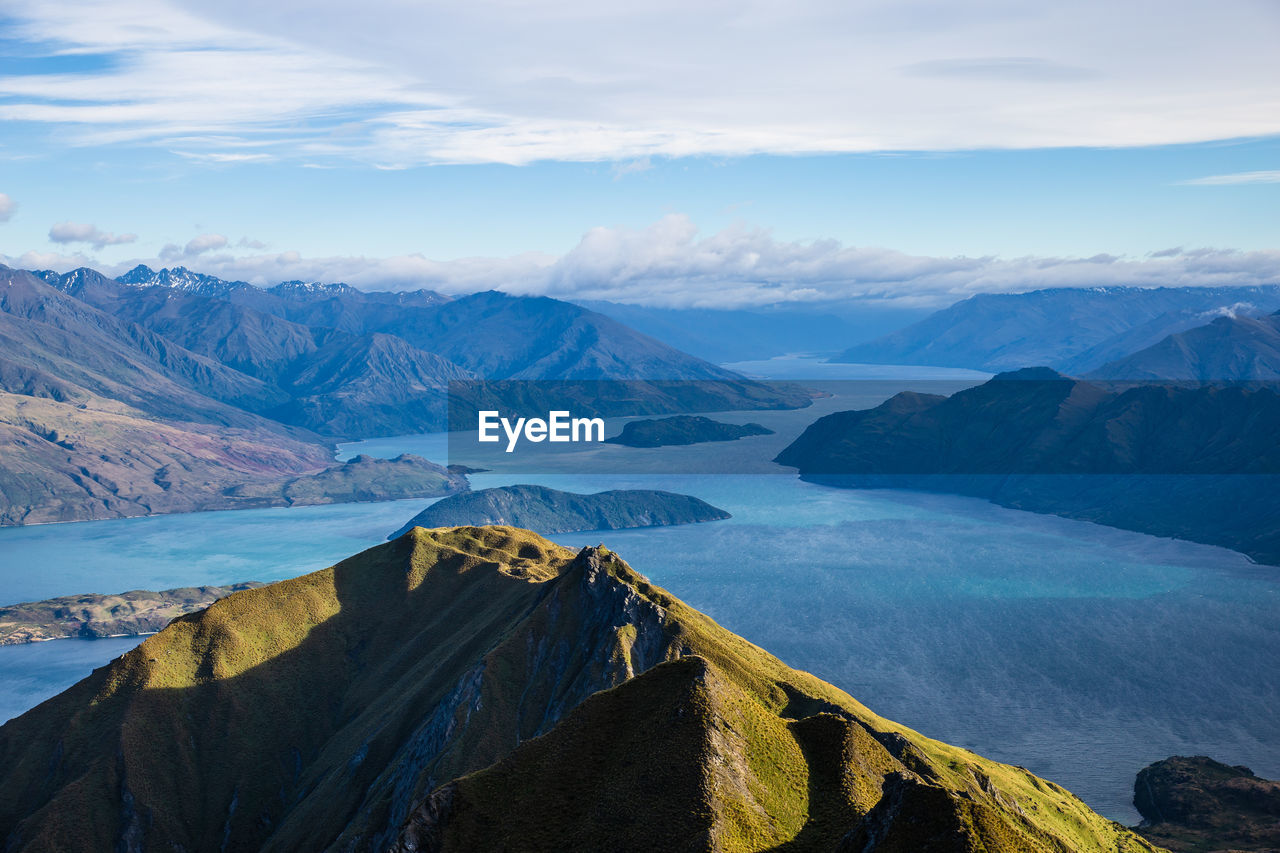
(7, 207)
(671, 264)
(490, 81)
(83, 232)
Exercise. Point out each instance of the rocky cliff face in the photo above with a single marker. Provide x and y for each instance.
(1198, 804)
(350, 709)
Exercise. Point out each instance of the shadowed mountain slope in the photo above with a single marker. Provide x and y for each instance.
(55, 341)
(1198, 463)
(529, 337)
(326, 380)
(1228, 349)
(344, 710)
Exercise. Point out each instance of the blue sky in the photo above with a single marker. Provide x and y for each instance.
(725, 154)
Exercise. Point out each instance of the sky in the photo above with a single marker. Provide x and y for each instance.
(710, 154)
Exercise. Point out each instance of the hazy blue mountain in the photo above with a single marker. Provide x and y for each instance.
(1199, 463)
(369, 385)
(327, 380)
(1071, 329)
(346, 363)
(724, 335)
(337, 305)
(1228, 349)
(534, 337)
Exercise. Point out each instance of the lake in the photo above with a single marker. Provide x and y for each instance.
(1079, 651)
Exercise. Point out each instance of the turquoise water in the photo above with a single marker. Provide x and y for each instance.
(1078, 651)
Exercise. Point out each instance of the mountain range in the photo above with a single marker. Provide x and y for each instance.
(1198, 462)
(485, 689)
(168, 391)
(1073, 330)
(1229, 349)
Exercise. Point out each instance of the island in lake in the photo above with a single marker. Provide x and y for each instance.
(682, 429)
(552, 511)
(1195, 804)
(91, 616)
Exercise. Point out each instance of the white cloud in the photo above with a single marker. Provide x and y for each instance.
(670, 263)
(205, 243)
(83, 232)
(196, 246)
(399, 84)
(1264, 177)
(7, 207)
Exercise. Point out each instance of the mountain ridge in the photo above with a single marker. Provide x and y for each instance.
(1074, 330)
(448, 651)
(1196, 462)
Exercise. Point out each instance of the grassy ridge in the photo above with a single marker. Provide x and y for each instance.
(333, 710)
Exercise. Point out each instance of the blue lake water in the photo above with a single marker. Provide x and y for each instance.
(1079, 651)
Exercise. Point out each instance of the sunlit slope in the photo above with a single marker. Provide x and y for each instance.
(351, 708)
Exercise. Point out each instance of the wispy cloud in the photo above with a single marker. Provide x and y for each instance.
(490, 81)
(670, 263)
(1271, 176)
(7, 207)
(195, 246)
(225, 156)
(83, 232)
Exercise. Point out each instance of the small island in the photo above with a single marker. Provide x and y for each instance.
(1195, 804)
(92, 616)
(682, 429)
(550, 511)
(361, 478)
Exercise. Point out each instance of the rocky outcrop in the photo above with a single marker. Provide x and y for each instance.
(1196, 804)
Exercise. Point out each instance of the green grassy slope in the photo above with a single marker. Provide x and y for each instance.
(323, 712)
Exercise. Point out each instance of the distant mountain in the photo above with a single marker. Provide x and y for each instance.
(1228, 349)
(1200, 463)
(48, 339)
(1070, 329)
(325, 380)
(549, 511)
(305, 302)
(682, 429)
(534, 337)
(485, 689)
(369, 385)
(202, 388)
(723, 335)
(184, 281)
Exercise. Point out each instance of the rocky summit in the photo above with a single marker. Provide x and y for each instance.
(481, 688)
